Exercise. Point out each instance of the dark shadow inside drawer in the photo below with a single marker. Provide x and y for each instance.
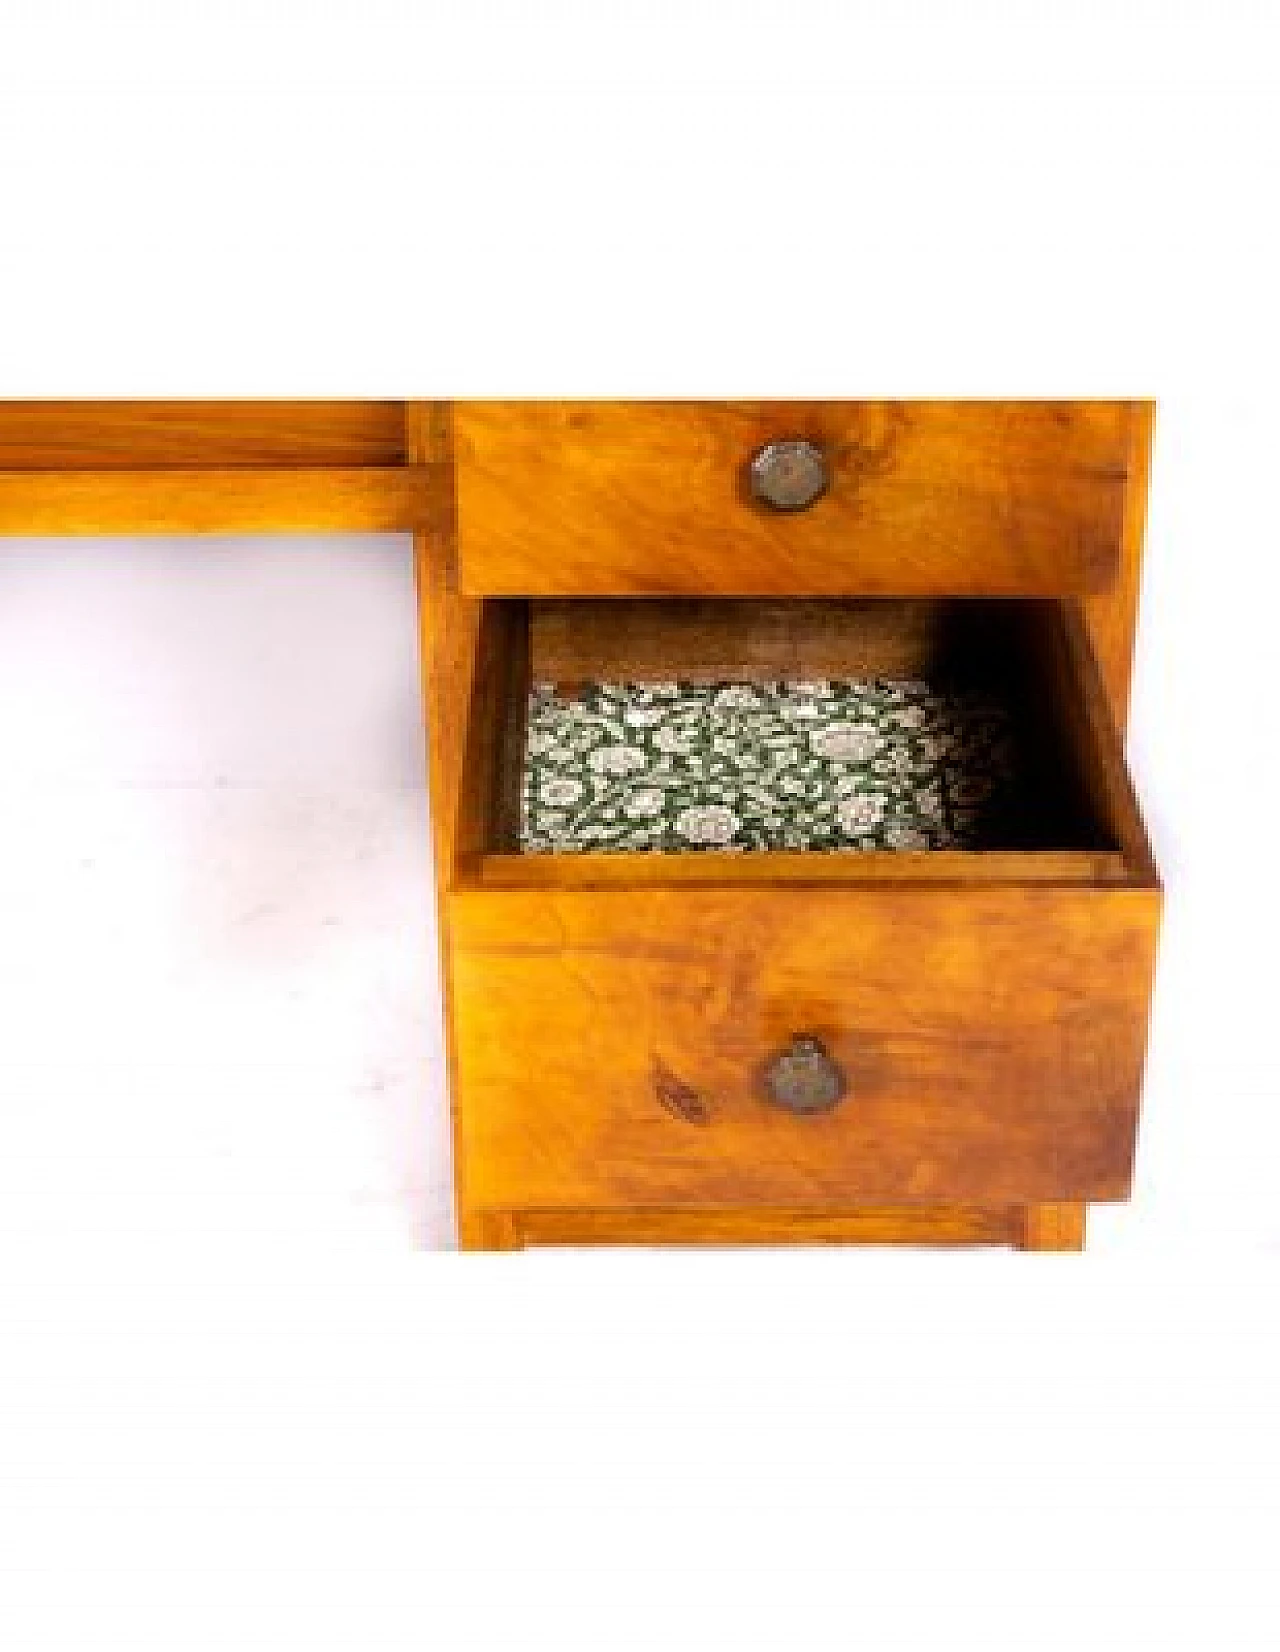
(803, 738)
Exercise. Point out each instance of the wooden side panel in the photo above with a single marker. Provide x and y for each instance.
(1071, 688)
(644, 498)
(185, 435)
(1112, 616)
(449, 632)
(246, 499)
(993, 1041)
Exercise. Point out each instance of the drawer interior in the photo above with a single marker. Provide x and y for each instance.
(840, 738)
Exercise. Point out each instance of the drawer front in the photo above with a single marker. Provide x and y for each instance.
(656, 498)
(617, 1049)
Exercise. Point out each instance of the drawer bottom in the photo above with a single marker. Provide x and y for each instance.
(1057, 1226)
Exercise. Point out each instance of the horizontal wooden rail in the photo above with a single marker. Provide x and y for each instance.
(217, 500)
(1088, 868)
(188, 435)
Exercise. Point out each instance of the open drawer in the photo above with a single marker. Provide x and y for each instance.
(952, 1012)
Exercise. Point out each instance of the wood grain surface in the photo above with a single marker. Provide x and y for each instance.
(243, 499)
(731, 869)
(199, 435)
(1111, 616)
(651, 498)
(992, 1017)
(1052, 1227)
(449, 627)
(947, 1225)
(993, 1040)
(708, 640)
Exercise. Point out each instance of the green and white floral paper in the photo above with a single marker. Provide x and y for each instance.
(826, 765)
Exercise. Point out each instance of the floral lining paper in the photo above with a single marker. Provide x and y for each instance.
(869, 764)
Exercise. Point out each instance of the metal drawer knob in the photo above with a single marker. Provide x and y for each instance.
(789, 476)
(804, 1078)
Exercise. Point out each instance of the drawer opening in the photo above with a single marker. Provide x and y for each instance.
(690, 740)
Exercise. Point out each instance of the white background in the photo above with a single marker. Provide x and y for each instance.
(245, 1398)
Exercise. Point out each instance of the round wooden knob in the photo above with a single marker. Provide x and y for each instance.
(804, 1078)
(789, 476)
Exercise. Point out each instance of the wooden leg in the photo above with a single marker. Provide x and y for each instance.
(1052, 1227)
(488, 1230)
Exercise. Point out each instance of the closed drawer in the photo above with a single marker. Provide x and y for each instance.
(614, 1049)
(618, 1018)
(646, 498)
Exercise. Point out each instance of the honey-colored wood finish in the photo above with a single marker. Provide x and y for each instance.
(1058, 1227)
(200, 435)
(1111, 618)
(993, 1040)
(711, 868)
(207, 467)
(706, 641)
(1071, 684)
(948, 1225)
(651, 498)
(991, 1008)
(245, 499)
(1029, 968)
(449, 633)
(1052, 1227)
